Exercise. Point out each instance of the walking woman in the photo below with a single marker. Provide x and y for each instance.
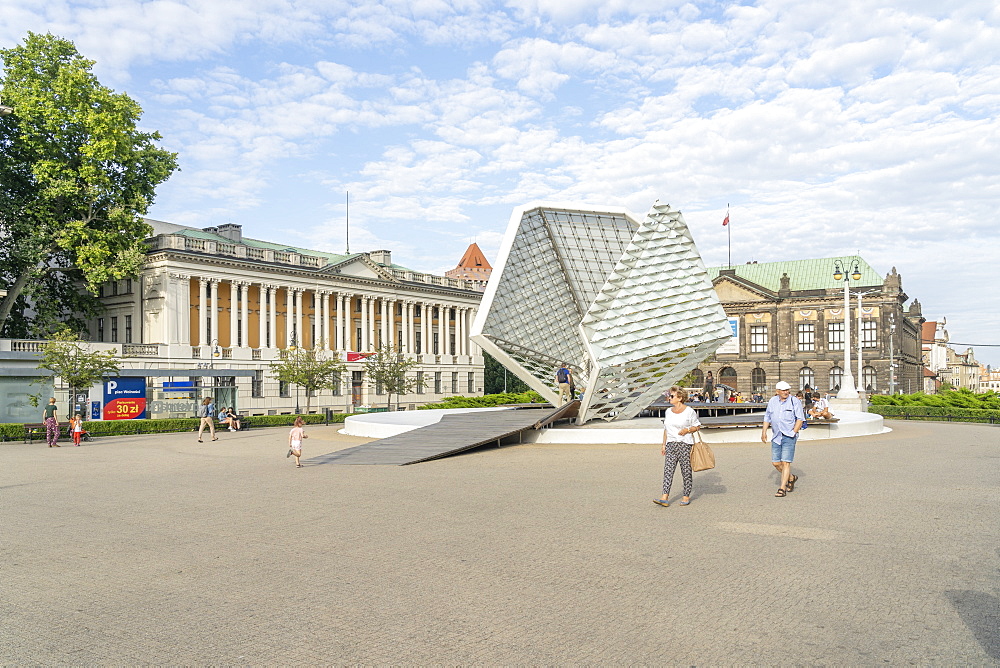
(51, 423)
(679, 423)
(295, 436)
(207, 414)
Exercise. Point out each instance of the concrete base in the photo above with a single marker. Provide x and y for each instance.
(635, 431)
(858, 405)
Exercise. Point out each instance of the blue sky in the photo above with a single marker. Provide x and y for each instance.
(831, 128)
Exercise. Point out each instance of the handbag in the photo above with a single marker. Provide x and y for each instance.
(702, 457)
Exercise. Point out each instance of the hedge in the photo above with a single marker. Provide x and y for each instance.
(937, 413)
(488, 401)
(962, 398)
(15, 431)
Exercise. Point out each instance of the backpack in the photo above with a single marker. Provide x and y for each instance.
(562, 375)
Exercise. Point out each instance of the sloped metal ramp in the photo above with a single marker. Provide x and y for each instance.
(453, 434)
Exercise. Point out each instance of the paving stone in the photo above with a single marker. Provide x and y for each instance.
(155, 550)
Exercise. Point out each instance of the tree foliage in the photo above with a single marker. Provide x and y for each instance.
(311, 370)
(388, 368)
(493, 379)
(76, 178)
(72, 360)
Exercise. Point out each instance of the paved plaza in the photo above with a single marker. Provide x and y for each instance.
(155, 550)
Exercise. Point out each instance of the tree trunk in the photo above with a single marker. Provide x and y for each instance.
(13, 292)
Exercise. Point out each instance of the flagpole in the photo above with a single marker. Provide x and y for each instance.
(729, 233)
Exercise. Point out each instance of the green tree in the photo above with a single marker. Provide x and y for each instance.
(387, 367)
(72, 360)
(76, 179)
(311, 370)
(496, 376)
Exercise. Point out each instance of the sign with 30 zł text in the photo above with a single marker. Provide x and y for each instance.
(125, 399)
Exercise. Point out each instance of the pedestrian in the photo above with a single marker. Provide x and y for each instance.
(564, 379)
(76, 424)
(679, 422)
(295, 436)
(51, 421)
(207, 414)
(709, 388)
(821, 407)
(785, 418)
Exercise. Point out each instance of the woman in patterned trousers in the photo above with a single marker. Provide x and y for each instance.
(678, 424)
(51, 424)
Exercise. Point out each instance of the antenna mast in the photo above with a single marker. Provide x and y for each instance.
(347, 226)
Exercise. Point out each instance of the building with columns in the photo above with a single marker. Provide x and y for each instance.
(212, 305)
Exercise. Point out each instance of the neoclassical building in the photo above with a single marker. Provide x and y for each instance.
(215, 307)
(787, 320)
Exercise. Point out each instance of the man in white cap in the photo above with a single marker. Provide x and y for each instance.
(785, 417)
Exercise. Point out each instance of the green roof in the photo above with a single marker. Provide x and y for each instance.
(803, 274)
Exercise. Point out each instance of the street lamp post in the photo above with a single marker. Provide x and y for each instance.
(861, 374)
(847, 388)
(292, 349)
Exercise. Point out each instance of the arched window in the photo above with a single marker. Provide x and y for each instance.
(697, 378)
(836, 378)
(868, 379)
(728, 376)
(806, 377)
(758, 380)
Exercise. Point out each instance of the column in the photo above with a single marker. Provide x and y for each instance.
(289, 315)
(346, 333)
(234, 309)
(244, 314)
(339, 330)
(272, 298)
(214, 310)
(404, 326)
(363, 342)
(298, 318)
(472, 347)
(371, 323)
(443, 329)
(384, 328)
(425, 316)
(202, 311)
(320, 342)
(460, 330)
(411, 325)
(261, 316)
(390, 326)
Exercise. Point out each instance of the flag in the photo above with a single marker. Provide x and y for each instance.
(726, 221)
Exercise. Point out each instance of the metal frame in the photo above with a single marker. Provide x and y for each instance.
(627, 305)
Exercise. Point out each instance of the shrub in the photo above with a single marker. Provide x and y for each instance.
(13, 431)
(962, 398)
(916, 412)
(487, 401)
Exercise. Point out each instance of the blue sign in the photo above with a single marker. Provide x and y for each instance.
(95, 410)
(125, 399)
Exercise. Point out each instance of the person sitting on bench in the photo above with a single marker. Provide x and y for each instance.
(820, 407)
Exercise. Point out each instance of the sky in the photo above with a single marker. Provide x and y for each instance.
(826, 128)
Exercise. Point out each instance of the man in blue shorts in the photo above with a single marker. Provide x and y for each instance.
(784, 415)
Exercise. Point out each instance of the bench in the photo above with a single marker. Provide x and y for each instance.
(33, 429)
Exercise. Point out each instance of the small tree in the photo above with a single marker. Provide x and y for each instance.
(310, 369)
(498, 379)
(72, 360)
(388, 368)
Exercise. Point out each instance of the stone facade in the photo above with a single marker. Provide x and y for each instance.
(789, 322)
(209, 301)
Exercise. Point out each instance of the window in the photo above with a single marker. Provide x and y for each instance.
(336, 385)
(128, 329)
(835, 336)
(420, 382)
(869, 333)
(399, 340)
(100, 329)
(114, 288)
(758, 381)
(208, 330)
(697, 378)
(451, 314)
(283, 389)
(728, 376)
(416, 310)
(807, 337)
(434, 312)
(357, 340)
(472, 382)
(806, 378)
(758, 338)
(128, 286)
(836, 378)
(267, 331)
(257, 384)
(451, 344)
(437, 382)
(416, 336)
(399, 308)
(454, 382)
(868, 379)
(114, 329)
(357, 306)
(378, 386)
(435, 338)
